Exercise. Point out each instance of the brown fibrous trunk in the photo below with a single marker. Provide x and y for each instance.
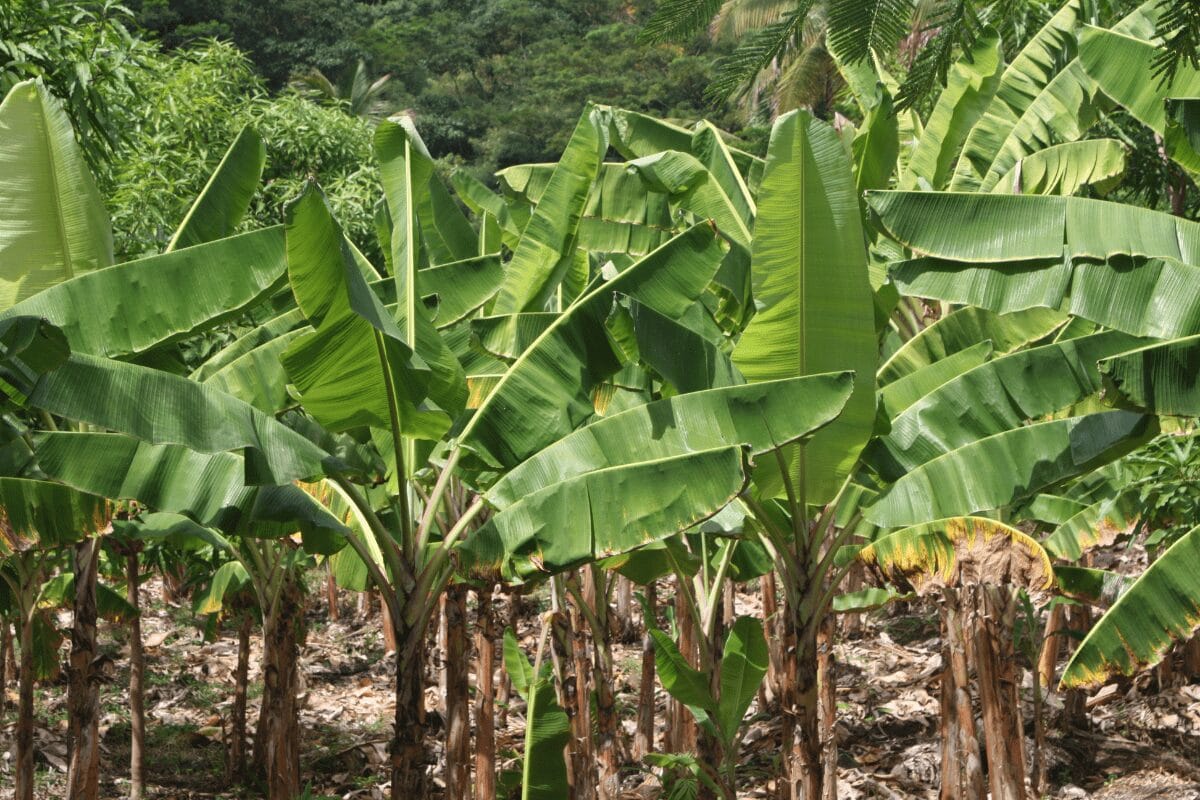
(485, 708)
(277, 739)
(83, 693)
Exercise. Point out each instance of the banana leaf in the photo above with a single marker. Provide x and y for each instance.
(223, 201)
(814, 300)
(1160, 608)
(54, 224)
(1161, 378)
(998, 470)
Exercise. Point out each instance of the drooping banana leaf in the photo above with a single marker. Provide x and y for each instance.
(29, 347)
(1096, 587)
(961, 551)
(207, 487)
(1064, 169)
(965, 328)
(1124, 68)
(59, 592)
(996, 396)
(174, 529)
(998, 470)
(1158, 297)
(228, 578)
(547, 244)
(547, 392)
(128, 309)
(51, 514)
(507, 337)
(223, 201)
(54, 225)
(1162, 378)
(1096, 525)
(688, 360)
(901, 393)
(160, 408)
(762, 416)
(258, 376)
(1003, 229)
(482, 200)
(455, 290)
(602, 513)
(814, 301)
(268, 331)
(1160, 608)
(693, 188)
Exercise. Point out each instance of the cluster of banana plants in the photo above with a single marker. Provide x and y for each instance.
(896, 360)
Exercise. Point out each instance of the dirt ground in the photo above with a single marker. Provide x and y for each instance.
(1144, 740)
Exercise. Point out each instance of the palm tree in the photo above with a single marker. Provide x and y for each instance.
(356, 92)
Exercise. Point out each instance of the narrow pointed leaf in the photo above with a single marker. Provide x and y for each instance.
(222, 203)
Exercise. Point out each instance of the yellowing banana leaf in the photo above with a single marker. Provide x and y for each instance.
(49, 514)
(961, 551)
(54, 225)
(547, 392)
(216, 213)
(1162, 378)
(814, 300)
(602, 513)
(1160, 608)
(761, 416)
(998, 470)
(128, 309)
(1098, 524)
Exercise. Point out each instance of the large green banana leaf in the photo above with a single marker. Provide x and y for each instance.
(1162, 378)
(207, 487)
(258, 376)
(965, 328)
(901, 393)
(761, 416)
(216, 213)
(1055, 100)
(547, 392)
(814, 300)
(50, 513)
(721, 161)
(1020, 86)
(172, 529)
(961, 551)
(971, 84)
(1123, 67)
(603, 513)
(1160, 608)
(161, 408)
(1159, 297)
(482, 200)
(688, 360)
(271, 329)
(130, 308)
(53, 225)
(547, 244)
(1005, 228)
(357, 368)
(996, 396)
(1000, 469)
(458, 289)
(418, 201)
(1063, 169)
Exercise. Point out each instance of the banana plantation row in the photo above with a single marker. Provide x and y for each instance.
(899, 362)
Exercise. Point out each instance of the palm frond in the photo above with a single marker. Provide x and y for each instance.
(1179, 28)
(955, 25)
(739, 17)
(679, 19)
(856, 27)
(735, 72)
